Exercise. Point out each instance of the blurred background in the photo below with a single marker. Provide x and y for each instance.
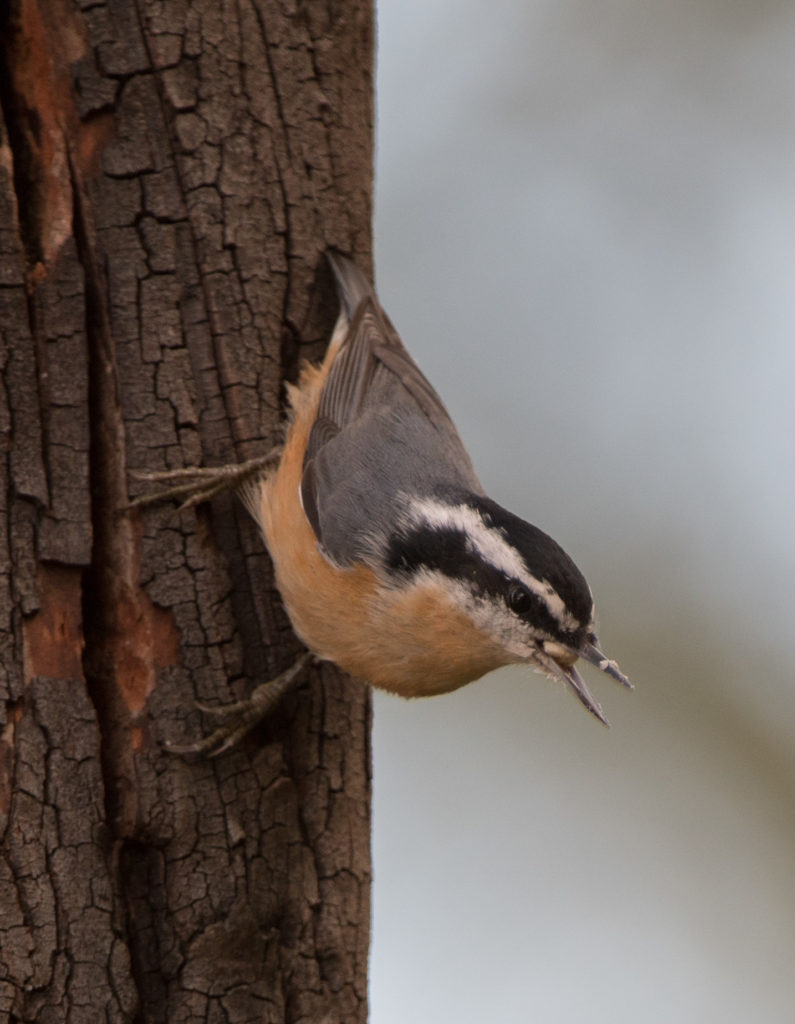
(585, 233)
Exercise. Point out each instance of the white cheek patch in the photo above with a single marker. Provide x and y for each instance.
(492, 546)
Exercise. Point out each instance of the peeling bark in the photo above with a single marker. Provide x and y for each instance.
(170, 173)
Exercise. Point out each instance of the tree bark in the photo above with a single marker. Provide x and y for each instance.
(170, 173)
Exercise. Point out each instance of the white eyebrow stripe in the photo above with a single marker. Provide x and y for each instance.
(490, 543)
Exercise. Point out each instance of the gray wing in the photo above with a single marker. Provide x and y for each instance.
(381, 434)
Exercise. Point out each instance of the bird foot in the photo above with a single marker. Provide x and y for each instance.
(196, 484)
(238, 718)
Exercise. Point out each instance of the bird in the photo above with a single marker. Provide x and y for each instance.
(390, 558)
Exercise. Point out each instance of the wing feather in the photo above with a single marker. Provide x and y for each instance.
(375, 401)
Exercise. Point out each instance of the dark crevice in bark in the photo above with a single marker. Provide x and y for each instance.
(137, 864)
(101, 589)
(95, 596)
(23, 125)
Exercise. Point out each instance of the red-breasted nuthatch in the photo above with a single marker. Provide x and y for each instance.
(390, 558)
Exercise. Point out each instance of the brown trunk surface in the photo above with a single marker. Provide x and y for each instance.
(170, 173)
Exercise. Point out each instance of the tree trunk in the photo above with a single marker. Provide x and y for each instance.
(170, 172)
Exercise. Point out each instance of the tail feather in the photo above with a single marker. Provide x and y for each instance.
(352, 286)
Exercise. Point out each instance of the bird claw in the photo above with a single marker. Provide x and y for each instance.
(197, 484)
(239, 717)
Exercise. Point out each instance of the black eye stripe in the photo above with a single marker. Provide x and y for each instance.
(449, 552)
(423, 547)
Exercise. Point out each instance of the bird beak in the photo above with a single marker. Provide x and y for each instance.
(563, 668)
(575, 682)
(590, 652)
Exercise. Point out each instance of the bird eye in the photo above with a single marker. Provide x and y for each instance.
(519, 599)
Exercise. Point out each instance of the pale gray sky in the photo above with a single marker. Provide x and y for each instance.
(585, 234)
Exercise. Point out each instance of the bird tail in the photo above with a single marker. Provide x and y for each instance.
(352, 286)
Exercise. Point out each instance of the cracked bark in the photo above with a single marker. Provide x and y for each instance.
(169, 175)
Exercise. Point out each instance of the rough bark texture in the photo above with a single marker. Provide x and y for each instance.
(170, 172)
